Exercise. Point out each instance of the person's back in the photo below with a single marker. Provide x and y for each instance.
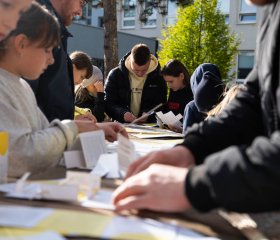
(54, 90)
(191, 113)
(135, 86)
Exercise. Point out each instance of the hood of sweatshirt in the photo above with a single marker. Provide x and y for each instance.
(200, 70)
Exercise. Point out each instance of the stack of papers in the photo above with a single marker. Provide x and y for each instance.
(170, 119)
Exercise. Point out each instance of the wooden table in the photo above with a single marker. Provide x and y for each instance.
(209, 224)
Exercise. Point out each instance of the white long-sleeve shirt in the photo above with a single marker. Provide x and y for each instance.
(34, 143)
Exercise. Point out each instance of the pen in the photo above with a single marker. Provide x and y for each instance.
(83, 114)
(145, 115)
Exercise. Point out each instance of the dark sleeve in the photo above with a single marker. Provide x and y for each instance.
(99, 107)
(189, 118)
(113, 107)
(241, 170)
(160, 96)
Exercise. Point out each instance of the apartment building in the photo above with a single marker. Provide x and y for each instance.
(242, 18)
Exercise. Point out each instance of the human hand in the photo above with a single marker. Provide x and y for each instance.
(175, 129)
(99, 86)
(158, 188)
(178, 156)
(128, 117)
(143, 120)
(111, 130)
(88, 116)
(86, 126)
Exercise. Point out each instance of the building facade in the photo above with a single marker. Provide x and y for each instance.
(242, 18)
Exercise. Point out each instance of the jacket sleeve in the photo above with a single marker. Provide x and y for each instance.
(160, 96)
(113, 107)
(189, 117)
(33, 149)
(241, 170)
(99, 107)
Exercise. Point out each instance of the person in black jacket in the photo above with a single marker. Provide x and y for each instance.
(54, 90)
(230, 161)
(135, 86)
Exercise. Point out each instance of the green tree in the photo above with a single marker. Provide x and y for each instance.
(200, 35)
(110, 23)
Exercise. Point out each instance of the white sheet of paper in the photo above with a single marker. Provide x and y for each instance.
(100, 169)
(93, 144)
(126, 152)
(83, 179)
(102, 200)
(23, 217)
(172, 119)
(74, 159)
(130, 228)
(110, 163)
(47, 235)
(187, 234)
(59, 192)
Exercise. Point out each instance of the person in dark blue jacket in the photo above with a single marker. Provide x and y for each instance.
(192, 114)
(54, 90)
(135, 86)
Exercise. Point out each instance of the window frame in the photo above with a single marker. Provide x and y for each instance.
(128, 18)
(246, 13)
(150, 18)
(241, 80)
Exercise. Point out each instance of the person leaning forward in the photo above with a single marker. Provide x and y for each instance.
(135, 86)
(54, 89)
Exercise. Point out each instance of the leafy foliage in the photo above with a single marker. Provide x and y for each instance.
(200, 35)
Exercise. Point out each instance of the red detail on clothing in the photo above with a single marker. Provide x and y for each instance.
(173, 105)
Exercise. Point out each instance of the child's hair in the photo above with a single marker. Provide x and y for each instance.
(39, 25)
(82, 61)
(228, 96)
(81, 93)
(174, 68)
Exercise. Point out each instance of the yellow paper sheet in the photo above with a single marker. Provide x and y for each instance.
(75, 222)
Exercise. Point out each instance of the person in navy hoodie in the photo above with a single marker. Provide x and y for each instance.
(178, 79)
(192, 114)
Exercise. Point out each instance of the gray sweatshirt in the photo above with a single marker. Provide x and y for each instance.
(34, 143)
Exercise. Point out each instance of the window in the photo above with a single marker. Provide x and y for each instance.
(100, 22)
(98, 63)
(129, 14)
(171, 13)
(225, 6)
(245, 65)
(152, 19)
(247, 13)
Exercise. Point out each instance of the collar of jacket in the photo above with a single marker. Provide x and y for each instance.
(49, 6)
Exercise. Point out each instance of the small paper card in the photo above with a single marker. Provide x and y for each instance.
(4, 144)
(126, 152)
(59, 192)
(83, 179)
(91, 145)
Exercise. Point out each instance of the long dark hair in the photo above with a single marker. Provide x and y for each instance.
(174, 68)
(82, 61)
(39, 25)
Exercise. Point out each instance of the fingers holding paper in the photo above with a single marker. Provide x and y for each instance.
(148, 190)
(111, 130)
(178, 156)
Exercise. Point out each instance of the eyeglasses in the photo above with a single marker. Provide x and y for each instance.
(83, 3)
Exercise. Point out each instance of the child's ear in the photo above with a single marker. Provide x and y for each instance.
(21, 42)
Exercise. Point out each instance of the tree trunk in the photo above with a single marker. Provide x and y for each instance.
(110, 36)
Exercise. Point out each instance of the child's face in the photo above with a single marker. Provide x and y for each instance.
(79, 75)
(10, 11)
(35, 61)
(175, 83)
